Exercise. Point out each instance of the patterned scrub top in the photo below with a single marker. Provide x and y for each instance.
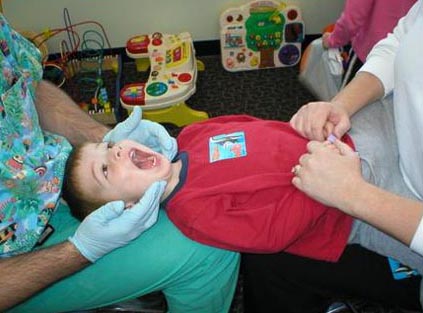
(31, 161)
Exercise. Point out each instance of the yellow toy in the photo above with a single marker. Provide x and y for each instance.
(173, 74)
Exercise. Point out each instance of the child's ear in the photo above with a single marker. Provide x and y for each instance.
(129, 205)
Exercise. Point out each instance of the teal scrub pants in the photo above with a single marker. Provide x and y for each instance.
(194, 277)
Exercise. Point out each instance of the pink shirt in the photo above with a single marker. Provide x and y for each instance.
(364, 22)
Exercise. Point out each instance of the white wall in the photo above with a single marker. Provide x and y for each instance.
(125, 18)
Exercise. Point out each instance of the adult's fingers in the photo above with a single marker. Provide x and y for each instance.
(344, 149)
(310, 120)
(314, 145)
(341, 128)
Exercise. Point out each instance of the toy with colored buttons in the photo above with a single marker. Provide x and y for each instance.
(172, 78)
(261, 34)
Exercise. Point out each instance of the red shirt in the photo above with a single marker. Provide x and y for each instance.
(247, 203)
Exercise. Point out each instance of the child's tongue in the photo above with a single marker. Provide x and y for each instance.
(142, 159)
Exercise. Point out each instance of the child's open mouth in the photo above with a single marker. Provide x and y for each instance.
(143, 160)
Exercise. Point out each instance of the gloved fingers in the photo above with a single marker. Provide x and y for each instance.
(166, 143)
(150, 201)
(172, 148)
(123, 129)
(159, 133)
(106, 137)
(149, 216)
(156, 129)
(141, 217)
(133, 120)
(155, 191)
(89, 235)
(152, 218)
(108, 212)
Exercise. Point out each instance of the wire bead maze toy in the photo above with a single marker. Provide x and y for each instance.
(84, 60)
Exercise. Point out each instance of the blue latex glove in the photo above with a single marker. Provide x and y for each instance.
(112, 226)
(148, 133)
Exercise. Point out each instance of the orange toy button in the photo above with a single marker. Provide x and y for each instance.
(185, 77)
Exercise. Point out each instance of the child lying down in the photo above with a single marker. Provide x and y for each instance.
(229, 187)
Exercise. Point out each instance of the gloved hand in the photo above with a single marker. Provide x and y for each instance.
(148, 133)
(112, 226)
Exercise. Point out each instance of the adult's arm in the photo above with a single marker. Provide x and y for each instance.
(335, 179)
(104, 230)
(397, 216)
(59, 114)
(316, 120)
(24, 275)
(365, 88)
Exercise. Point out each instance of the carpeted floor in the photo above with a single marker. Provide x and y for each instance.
(269, 93)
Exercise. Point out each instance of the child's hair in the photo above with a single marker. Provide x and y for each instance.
(79, 202)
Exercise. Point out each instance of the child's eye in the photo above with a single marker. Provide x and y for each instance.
(104, 170)
(110, 145)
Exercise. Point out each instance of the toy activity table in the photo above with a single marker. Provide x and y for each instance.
(172, 78)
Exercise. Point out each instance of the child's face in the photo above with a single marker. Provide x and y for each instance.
(121, 171)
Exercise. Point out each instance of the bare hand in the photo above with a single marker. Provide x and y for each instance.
(316, 120)
(328, 173)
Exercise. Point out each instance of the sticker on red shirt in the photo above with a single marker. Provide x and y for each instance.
(227, 146)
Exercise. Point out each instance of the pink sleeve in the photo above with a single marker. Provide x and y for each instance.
(354, 16)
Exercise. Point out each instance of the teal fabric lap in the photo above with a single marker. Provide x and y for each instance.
(195, 278)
